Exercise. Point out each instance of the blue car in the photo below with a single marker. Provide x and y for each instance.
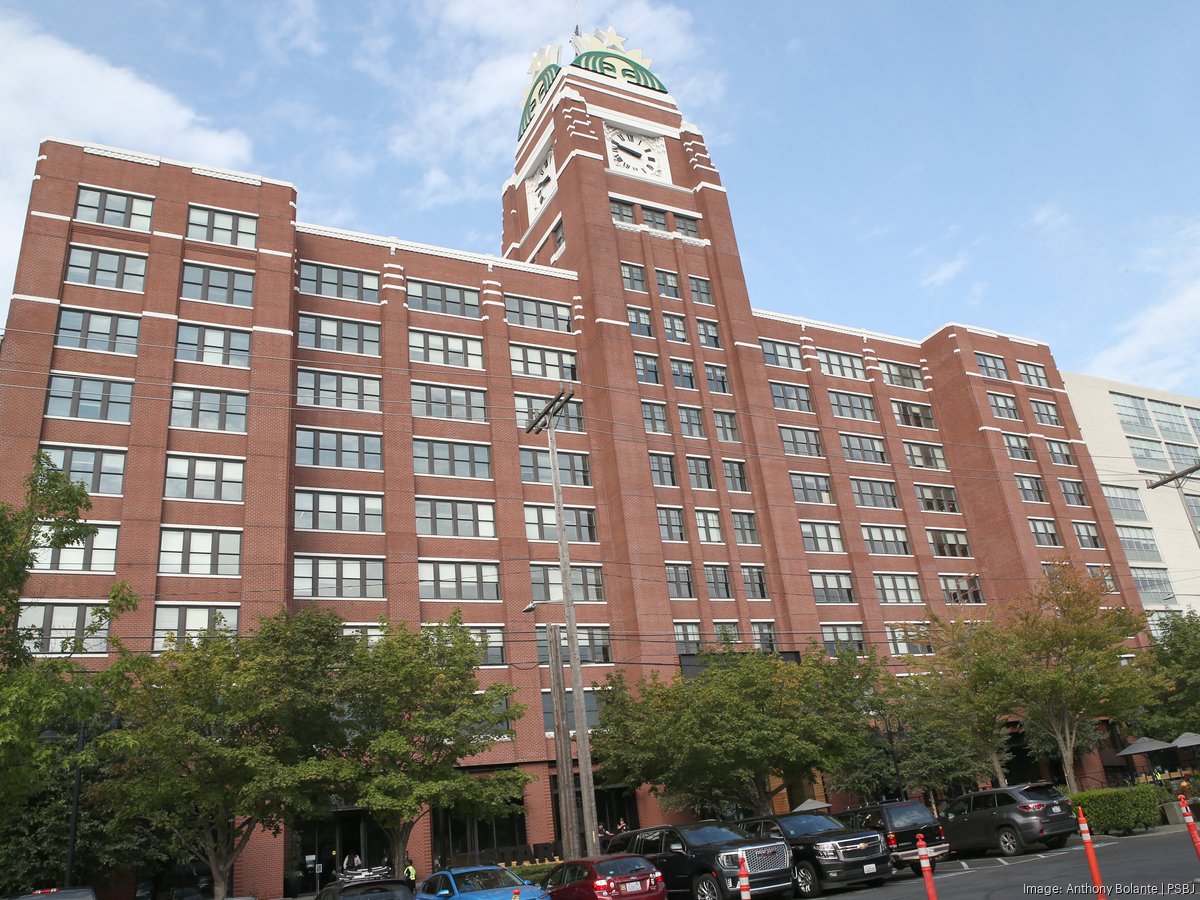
(478, 883)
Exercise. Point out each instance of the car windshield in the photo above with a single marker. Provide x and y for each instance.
(485, 880)
(1047, 793)
(911, 814)
(379, 890)
(795, 826)
(712, 834)
(622, 865)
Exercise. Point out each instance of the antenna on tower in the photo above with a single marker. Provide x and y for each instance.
(578, 20)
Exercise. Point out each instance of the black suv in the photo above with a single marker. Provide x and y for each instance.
(1009, 819)
(825, 853)
(700, 860)
(900, 821)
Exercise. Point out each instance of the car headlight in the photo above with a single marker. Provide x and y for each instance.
(826, 850)
(727, 860)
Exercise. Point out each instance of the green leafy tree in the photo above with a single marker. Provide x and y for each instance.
(1175, 658)
(415, 712)
(225, 735)
(738, 732)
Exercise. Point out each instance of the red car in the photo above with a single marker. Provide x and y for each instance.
(605, 878)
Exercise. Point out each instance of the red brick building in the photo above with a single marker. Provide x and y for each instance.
(327, 417)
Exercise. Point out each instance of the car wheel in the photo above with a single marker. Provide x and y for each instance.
(805, 879)
(1057, 843)
(1008, 842)
(706, 888)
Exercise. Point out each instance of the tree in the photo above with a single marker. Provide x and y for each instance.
(738, 732)
(225, 734)
(415, 712)
(1175, 657)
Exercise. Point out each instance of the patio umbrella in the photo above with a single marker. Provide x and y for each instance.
(1144, 745)
(1187, 739)
(811, 806)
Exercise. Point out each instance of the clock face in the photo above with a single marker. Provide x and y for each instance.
(639, 154)
(540, 184)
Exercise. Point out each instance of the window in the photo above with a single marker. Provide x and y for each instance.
(1018, 446)
(662, 470)
(1171, 421)
(687, 638)
(594, 644)
(1073, 492)
(654, 417)
(863, 449)
(440, 579)
(440, 401)
(591, 707)
(77, 397)
(204, 478)
(340, 335)
(444, 349)
(754, 580)
(338, 390)
(112, 208)
(106, 268)
(727, 632)
(89, 330)
(1192, 503)
(1045, 413)
(832, 587)
(808, 488)
(540, 523)
(1045, 534)
(432, 457)
(61, 628)
(691, 421)
(869, 492)
(675, 328)
(490, 639)
(1031, 488)
(329, 577)
(214, 285)
(1153, 585)
(937, 498)
(841, 365)
(1133, 415)
(904, 639)
(801, 441)
(708, 334)
(886, 540)
(679, 581)
(587, 583)
(1138, 543)
(197, 551)
(537, 313)
(687, 226)
(991, 366)
(735, 476)
(762, 636)
(717, 377)
(215, 346)
(900, 374)
(1182, 456)
(175, 625)
(1103, 572)
(668, 283)
(338, 511)
(682, 374)
(633, 277)
(915, 415)
(654, 218)
(443, 298)
(1003, 406)
(701, 289)
(95, 553)
(961, 588)
(572, 467)
(778, 353)
(790, 396)
(700, 473)
(948, 543)
(726, 423)
(822, 537)
(1124, 502)
(896, 588)
(542, 362)
(570, 416)
(1033, 373)
(339, 449)
(853, 406)
(1148, 454)
(924, 456)
(670, 523)
(716, 579)
(708, 526)
(1060, 453)
(221, 227)
(639, 321)
(346, 284)
(838, 638)
(1088, 535)
(621, 211)
(99, 471)
(441, 517)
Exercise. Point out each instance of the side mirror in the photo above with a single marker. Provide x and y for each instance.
(675, 847)
(444, 892)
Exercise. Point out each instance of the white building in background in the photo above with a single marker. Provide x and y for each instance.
(1136, 436)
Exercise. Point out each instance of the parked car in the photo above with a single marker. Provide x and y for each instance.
(900, 821)
(379, 889)
(700, 860)
(825, 853)
(477, 883)
(1009, 819)
(71, 893)
(605, 877)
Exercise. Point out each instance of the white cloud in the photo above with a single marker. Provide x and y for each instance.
(943, 273)
(1050, 219)
(290, 25)
(52, 89)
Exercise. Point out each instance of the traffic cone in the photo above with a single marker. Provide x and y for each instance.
(1086, 834)
(743, 877)
(926, 869)
(1190, 821)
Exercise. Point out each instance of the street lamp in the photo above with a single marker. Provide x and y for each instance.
(50, 736)
(545, 421)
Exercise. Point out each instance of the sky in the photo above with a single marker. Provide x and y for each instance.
(1024, 166)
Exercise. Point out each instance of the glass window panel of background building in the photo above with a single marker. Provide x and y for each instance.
(338, 511)
(822, 537)
(441, 401)
(1060, 453)
(222, 227)
(339, 449)
(198, 551)
(448, 299)
(900, 374)
(937, 498)
(92, 330)
(801, 441)
(66, 628)
(832, 587)
(441, 349)
(1124, 503)
(1033, 373)
(735, 476)
(990, 365)
(853, 406)
(708, 333)
(961, 588)
(716, 580)
(1148, 454)
(174, 625)
(345, 284)
(1018, 447)
(779, 353)
(1004, 406)
(843, 637)
(570, 416)
(811, 488)
(1153, 585)
(95, 553)
(893, 587)
(204, 478)
(762, 636)
(863, 448)
(1171, 421)
(537, 313)
(211, 284)
(948, 543)
(662, 470)
(338, 577)
(670, 523)
(106, 269)
(754, 580)
(339, 335)
(633, 277)
(1133, 414)
(442, 517)
(99, 471)
(871, 492)
(105, 207)
(841, 365)
(77, 397)
(679, 581)
(793, 397)
(541, 523)
(542, 362)
(457, 580)
(687, 637)
(1138, 543)
(595, 644)
(925, 456)
(433, 457)
(914, 415)
(587, 583)
(1073, 492)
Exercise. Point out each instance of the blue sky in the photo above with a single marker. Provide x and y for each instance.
(1024, 166)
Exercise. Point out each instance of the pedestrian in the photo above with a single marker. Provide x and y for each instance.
(410, 874)
(621, 826)
(351, 862)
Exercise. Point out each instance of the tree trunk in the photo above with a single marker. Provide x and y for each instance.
(998, 770)
(1066, 749)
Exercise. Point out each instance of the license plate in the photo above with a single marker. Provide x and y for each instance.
(868, 868)
(630, 886)
(1056, 808)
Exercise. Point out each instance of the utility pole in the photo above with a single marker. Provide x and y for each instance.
(546, 421)
(568, 820)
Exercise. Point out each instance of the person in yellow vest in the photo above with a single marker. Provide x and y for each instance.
(410, 874)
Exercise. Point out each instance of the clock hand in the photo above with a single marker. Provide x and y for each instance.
(629, 150)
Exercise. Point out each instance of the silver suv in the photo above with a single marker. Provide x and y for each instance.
(1009, 819)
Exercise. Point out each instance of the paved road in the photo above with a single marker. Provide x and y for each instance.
(1162, 863)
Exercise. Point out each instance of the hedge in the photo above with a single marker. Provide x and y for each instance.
(1110, 810)
(534, 872)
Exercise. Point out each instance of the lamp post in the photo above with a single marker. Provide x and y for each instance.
(50, 736)
(545, 421)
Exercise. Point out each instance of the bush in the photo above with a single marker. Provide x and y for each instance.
(1110, 810)
(534, 872)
